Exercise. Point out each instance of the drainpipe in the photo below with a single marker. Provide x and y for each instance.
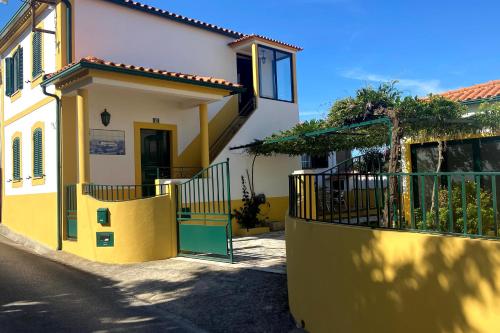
(69, 59)
(59, 166)
(69, 32)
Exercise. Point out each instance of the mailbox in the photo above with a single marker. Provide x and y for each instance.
(103, 216)
(105, 239)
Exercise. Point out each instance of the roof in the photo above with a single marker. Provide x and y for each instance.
(96, 63)
(254, 37)
(478, 92)
(176, 17)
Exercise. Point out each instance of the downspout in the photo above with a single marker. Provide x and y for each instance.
(69, 32)
(59, 166)
(69, 59)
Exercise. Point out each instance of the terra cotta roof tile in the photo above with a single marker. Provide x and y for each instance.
(265, 39)
(168, 74)
(485, 90)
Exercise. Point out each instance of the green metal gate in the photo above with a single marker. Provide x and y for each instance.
(204, 214)
(71, 212)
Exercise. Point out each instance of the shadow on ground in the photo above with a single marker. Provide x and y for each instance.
(37, 294)
(225, 301)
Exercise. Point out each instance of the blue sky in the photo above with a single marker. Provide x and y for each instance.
(429, 46)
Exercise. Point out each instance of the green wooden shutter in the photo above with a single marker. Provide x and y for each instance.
(37, 153)
(9, 76)
(16, 159)
(19, 68)
(37, 54)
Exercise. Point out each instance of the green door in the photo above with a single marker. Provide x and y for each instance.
(155, 158)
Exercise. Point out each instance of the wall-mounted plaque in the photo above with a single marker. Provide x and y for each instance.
(107, 142)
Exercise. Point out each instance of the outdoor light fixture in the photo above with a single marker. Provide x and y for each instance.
(105, 117)
(263, 56)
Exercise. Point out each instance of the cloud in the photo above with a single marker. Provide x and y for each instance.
(412, 86)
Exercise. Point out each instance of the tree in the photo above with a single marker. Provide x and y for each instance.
(409, 117)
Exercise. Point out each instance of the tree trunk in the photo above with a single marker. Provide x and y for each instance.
(441, 149)
(391, 200)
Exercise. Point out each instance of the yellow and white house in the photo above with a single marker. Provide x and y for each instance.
(95, 92)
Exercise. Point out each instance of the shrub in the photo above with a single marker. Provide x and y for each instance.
(486, 206)
(247, 216)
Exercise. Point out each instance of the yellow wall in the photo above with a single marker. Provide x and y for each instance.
(144, 230)
(274, 210)
(352, 279)
(33, 215)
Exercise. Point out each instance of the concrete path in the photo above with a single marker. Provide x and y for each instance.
(263, 252)
(211, 296)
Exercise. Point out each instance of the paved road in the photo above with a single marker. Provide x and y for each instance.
(39, 295)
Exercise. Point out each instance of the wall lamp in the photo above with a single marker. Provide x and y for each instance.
(105, 117)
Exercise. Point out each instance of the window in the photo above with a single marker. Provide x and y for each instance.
(36, 54)
(275, 74)
(14, 72)
(37, 153)
(314, 162)
(16, 159)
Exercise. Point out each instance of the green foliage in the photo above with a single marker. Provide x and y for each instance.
(247, 216)
(487, 217)
(421, 118)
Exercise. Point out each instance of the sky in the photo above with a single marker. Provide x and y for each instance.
(428, 46)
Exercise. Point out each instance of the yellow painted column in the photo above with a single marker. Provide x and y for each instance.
(255, 68)
(205, 146)
(83, 140)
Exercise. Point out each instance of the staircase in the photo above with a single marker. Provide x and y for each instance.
(233, 128)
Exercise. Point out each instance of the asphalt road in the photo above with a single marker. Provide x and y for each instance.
(39, 295)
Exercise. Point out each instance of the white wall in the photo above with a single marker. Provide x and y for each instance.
(47, 114)
(28, 98)
(31, 96)
(271, 173)
(126, 107)
(121, 34)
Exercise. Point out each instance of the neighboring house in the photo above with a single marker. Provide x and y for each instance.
(470, 153)
(129, 113)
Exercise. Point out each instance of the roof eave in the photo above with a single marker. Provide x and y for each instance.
(481, 100)
(232, 34)
(88, 65)
(251, 40)
(17, 15)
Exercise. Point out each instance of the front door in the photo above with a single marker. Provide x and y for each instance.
(155, 158)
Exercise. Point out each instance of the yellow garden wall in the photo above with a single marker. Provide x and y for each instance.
(32, 215)
(352, 279)
(144, 230)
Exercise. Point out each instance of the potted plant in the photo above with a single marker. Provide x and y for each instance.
(247, 216)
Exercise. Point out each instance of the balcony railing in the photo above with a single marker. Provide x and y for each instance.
(463, 203)
(154, 172)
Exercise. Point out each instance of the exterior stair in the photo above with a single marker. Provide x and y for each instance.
(223, 140)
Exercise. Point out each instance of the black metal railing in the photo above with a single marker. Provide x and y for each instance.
(370, 162)
(462, 203)
(116, 193)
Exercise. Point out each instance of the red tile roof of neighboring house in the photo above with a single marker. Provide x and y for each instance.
(89, 61)
(485, 90)
(265, 39)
